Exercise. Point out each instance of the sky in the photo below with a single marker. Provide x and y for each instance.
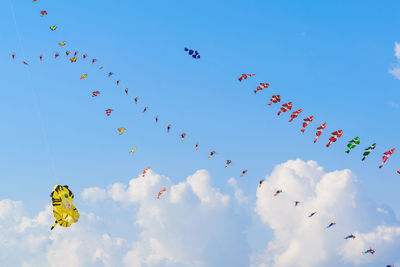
(337, 60)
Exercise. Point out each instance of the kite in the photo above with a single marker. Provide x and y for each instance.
(350, 236)
(126, 91)
(121, 130)
(84, 56)
(53, 28)
(109, 74)
(212, 153)
(245, 76)
(169, 127)
(118, 82)
(285, 107)
(197, 146)
(76, 53)
(43, 13)
(64, 211)
(24, 62)
(73, 59)
(320, 129)
(145, 171)
(261, 86)
(352, 144)
(136, 99)
(312, 214)
(277, 192)
(101, 67)
(370, 250)
(156, 118)
(334, 137)
(67, 53)
(183, 136)
(145, 109)
(41, 58)
(94, 60)
(95, 93)
(13, 55)
(34, 1)
(108, 111)
(296, 203)
(330, 225)
(83, 76)
(306, 122)
(161, 192)
(132, 150)
(228, 162)
(368, 150)
(275, 99)
(243, 173)
(56, 55)
(386, 156)
(295, 114)
(62, 43)
(398, 171)
(193, 53)
(260, 183)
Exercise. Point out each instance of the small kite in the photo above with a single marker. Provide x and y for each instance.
(212, 153)
(43, 13)
(334, 137)
(108, 111)
(277, 192)
(261, 86)
(398, 171)
(34, 1)
(245, 76)
(197, 146)
(67, 53)
(53, 28)
(83, 76)
(275, 99)
(320, 129)
(64, 211)
(126, 91)
(84, 56)
(352, 144)
(25, 63)
(95, 93)
(109, 74)
(183, 135)
(132, 150)
(312, 214)
(228, 162)
(145, 109)
(13, 55)
(296, 203)
(56, 55)
(193, 53)
(370, 250)
(285, 107)
(136, 99)
(94, 60)
(386, 156)
(118, 82)
(295, 114)
(330, 225)
(368, 150)
(121, 130)
(161, 192)
(260, 183)
(306, 121)
(62, 43)
(41, 58)
(350, 236)
(169, 127)
(145, 171)
(101, 67)
(243, 173)
(76, 53)
(73, 59)
(156, 118)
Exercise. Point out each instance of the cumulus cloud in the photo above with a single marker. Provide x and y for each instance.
(396, 70)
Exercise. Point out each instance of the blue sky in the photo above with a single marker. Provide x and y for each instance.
(330, 58)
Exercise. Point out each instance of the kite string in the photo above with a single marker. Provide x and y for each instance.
(34, 95)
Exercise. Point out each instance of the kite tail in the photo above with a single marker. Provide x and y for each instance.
(347, 151)
(315, 140)
(363, 158)
(54, 225)
(328, 144)
(279, 112)
(302, 130)
(291, 119)
(381, 166)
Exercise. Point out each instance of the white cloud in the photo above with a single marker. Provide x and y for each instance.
(396, 70)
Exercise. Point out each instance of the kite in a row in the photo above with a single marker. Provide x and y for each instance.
(352, 144)
(25, 63)
(118, 82)
(260, 183)
(73, 59)
(62, 43)
(121, 130)
(197, 146)
(296, 203)
(386, 156)
(193, 53)
(330, 225)
(245, 76)
(243, 173)
(101, 67)
(110, 73)
(285, 107)
(368, 150)
(108, 111)
(212, 153)
(312, 214)
(398, 171)
(261, 86)
(76, 53)
(136, 99)
(277, 192)
(13, 55)
(156, 118)
(41, 58)
(94, 60)
(67, 53)
(84, 56)
(350, 236)
(43, 13)
(126, 91)
(183, 135)
(56, 55)
(64, 211)
(53, 28)
(161, 192)
(95, 93)
(320, 129)
(169, 128)
(228, 162)
(335, 135)
(145, 109)
(83, 76)
(370, 250)
(306, 122)
(145, 171)
(275, 99)
(295, 114)
(132, 150)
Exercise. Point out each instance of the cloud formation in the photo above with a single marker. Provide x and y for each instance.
(396, 70)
